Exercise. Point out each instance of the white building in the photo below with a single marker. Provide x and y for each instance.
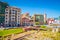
(55, 26)
(12, 16)
(45, 18)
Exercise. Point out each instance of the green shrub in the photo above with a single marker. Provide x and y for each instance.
(43, 26)
(37, 23)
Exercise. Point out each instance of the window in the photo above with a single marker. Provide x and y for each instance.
(6, 9)
(13, 15)
(18, 21)
(18, 16)
(6, 12)
(14, 11)
(6, 18)
(37, 18)
(6, 21)
(6, 15)
(13, 18)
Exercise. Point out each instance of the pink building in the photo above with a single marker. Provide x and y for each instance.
(50, 21)
(26, 20)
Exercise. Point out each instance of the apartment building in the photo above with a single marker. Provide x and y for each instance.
(12, 16)
(38, 19)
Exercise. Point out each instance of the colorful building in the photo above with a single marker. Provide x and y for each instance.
(12, 16)
(3, 5)
(50, 21)
(26, 20)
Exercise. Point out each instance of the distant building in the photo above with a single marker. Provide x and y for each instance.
(55, 18)
(50, 21)
(12, 16)
(59, 18)
(55, 26)
(38, 19)
(45, 18)
(3, 5)
(26, 20)
(23, 16)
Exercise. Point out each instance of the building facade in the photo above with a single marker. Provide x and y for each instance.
(26, 20)
(12, 16)
(59, 18)
(50, 21)
(3, 5)
(38, 19)
(45, 18)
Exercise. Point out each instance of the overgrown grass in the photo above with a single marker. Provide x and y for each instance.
(54, 36)
(6, 32)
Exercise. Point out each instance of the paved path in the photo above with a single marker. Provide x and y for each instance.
(35, 36)
(23, 34)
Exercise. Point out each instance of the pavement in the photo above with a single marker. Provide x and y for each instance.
(35, 36)
(23, 34)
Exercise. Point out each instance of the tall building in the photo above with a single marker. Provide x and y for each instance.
(38, 19)
(12, 16)
(45, 18)
(3, 5)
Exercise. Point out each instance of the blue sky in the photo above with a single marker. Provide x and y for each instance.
(51, 7)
